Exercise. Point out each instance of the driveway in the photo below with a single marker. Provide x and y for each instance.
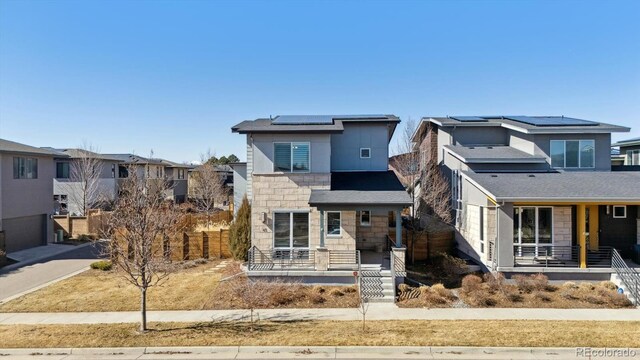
(17, 281)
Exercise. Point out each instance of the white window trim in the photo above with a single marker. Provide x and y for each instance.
(362, 223)
(289, 211)
(326, 225)
(564, 151)
(620, 206)
(628, 160)
(537, 243)
(365, 157)
(291, 143)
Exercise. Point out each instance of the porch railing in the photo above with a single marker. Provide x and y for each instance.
(546, 255)
(600, 258)
(275, 259)
(344, 259)
(629, 277)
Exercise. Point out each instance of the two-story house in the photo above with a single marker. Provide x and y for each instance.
(535, 193)
(628, 155)
(321, 194)
(26, 191)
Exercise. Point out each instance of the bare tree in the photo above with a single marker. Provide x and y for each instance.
(253, 294)
(83, 187)
(435, 193)
(363, 306)
(207, 186)
(140, 226)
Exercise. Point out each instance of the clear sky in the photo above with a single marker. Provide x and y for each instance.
(174, 76)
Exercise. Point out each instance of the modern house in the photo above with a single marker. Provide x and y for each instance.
(225, 173)
(73, 168)
(26, 195)
(627, 157)
(535, 193)
(321, 194)
(177, 174)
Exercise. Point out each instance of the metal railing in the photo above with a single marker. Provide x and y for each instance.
(276, 259)
(600, 258)
(629, 277)
(344, 259)
(546, 255)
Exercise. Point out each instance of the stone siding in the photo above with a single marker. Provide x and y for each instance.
(376, 233)
(562, 225)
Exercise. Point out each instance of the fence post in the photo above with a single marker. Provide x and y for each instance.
(220, 244)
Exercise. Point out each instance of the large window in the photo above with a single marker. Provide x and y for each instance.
(633, 157)
(291, 157)
(333, 223)
(532, 229)
(62, 170)
(290, 230)
(572, 154)
(25, 168)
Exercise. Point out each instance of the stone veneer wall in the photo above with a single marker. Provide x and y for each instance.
(369, 236)
(562, 225)
(291, 192)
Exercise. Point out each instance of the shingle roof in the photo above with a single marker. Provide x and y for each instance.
(307, 123)
(77, 153)
(493, 154)
(362, 188)
(568, 186)
(135, 159)
(627, 142)
(14, 147)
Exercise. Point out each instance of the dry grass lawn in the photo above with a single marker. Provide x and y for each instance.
(317, 333)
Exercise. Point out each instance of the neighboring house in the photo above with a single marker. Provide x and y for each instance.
(178, 175)
(68, 192)
(626, 155)
(26, 193)
(226, 176)
(535, 194)
(239, 178)
(321, 194)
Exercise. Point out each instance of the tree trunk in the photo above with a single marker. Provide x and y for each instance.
(143, 309)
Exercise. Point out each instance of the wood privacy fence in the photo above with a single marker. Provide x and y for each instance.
(195, 220)
(428, 244)
(73, 226)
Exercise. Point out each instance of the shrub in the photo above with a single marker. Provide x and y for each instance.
(523, 283)
(608, 285)
(482, 299)
(443, 292)
(449, 266)
(586, 287)
(103, 265)
(240, 232)
(319, 289)
(494, 282)
(471, 283)
(336, 292)
(404, 288)
(569, 285)
(349, 289)
(619, 300)
(568, 294)
(317, 299)
(284, 295)
(594, 299)
(515, 297)
(542, 296)
(540, 282)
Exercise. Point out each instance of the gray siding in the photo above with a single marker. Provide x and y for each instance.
(602, 143)
(249, 168)
(345, 147)
(478, 135)
(320, 148)
(239, 185)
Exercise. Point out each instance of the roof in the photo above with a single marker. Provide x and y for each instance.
(174, 164)
(219, 168)
(362, 188)
(135, 159)
(14, 147)
(529, 124)
(492, 154)
(628, 142)
(79, 153)
(567, 186)
(307, 123)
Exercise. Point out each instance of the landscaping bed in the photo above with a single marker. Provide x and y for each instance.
(512, 333)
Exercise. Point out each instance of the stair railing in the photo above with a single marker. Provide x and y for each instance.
(628, 276)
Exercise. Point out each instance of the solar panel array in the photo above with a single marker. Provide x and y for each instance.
(551, 121)
(319, 119)
(468, 118)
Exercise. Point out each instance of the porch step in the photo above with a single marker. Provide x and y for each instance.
(616, 280)
(377, 286)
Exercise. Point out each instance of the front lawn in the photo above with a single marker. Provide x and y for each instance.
(512, 333)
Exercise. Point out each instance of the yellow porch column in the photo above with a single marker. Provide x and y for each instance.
(581, 232)
(593, 227)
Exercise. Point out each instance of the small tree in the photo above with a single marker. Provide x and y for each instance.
(141, 223)
(363, 306)
(435, 193)
(240, 231)
(254, 294)
(207, 187)
(83, 187)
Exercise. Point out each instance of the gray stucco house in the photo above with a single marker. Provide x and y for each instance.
(26, 195)
(628, 155)
(321, 194)
(535, 193)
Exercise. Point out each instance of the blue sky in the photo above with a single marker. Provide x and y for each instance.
(174, 76)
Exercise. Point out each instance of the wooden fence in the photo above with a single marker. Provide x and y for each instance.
(427, 244)
(193, 245)
(75, 226)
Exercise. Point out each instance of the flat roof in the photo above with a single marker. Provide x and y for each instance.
(492, 154)
(561, 186)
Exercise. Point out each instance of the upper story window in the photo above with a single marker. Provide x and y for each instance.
(365, 153)
(25, 168)
(62, 170)
(633, 157)
(180, 174)
(291, 156)
(113, 170)
(572, 154)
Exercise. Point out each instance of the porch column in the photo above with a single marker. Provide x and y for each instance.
(398, 229)
(593, 227)
(581, 219)
(321, 228)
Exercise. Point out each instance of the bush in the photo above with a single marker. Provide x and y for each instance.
(319, 289)
(471, 283)
(317, 299)
(542, 296)
(240, 232)
(404, 288)
(103, 265)
(594, 299)
(443, 292)
(515, 297)
(449, 266)
(540, 282)
(483, 299)
(619, 300)
(336, 292)
(608, 285)
(495, 283)
(349, 289)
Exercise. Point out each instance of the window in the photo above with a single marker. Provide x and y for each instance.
(113, 170)
(180, 174)
(532, 230)
(25, 168)
(619, 211)
(123, 172)
(633, 157)
(572, 154)
(481, 225)
(365, 153)
(62, 170)
(365, 218)
(456, 193)
(158, 173)
(291, 157)
(333, 223)
(290, 230)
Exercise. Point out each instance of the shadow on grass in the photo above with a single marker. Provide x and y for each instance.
(232, 327)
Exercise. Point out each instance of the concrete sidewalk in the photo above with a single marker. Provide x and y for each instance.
(316, 352)
(376, 312)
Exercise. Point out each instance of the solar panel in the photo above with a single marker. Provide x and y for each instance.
(303, 120)
(467, 118)
(551, 121)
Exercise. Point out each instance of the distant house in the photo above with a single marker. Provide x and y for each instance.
(26, 195)
(626, 155)
(535, 193)
(226, 176)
